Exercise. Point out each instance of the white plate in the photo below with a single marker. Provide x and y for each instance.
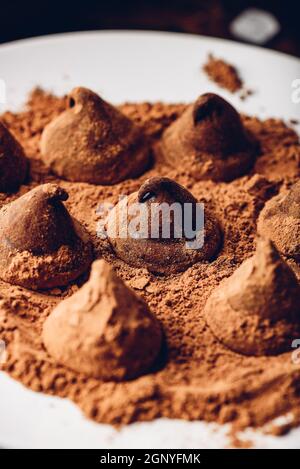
(131, 66)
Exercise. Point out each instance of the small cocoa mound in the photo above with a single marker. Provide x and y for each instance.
(209, 141)
(256, 311)
(41, 246)
(222, 73)
(161, 243)
(104, 330)
(94, 142)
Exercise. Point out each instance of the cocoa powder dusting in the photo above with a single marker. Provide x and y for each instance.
(197, 377)
(223, 73)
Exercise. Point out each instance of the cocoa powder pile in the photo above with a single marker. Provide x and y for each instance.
(197, 376)
(223, 73)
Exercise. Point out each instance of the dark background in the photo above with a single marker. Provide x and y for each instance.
(31, 18)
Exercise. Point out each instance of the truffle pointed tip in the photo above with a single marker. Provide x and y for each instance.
(153, 186)
(54, 192)
(82, 95)
(206, 105)
(101, 269)
(265, 249)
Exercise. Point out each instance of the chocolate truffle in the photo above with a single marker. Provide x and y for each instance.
(13, 163)
(162, 242)
(94, 142)
(209, 141)
(280, 221)
(104, 330)
(41, 245)
(256, 311)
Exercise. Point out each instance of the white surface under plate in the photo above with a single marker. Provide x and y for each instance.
(131, 66)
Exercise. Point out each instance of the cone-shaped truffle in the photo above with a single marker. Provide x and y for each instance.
(104, 330)
(41, 245)
(13, 163)
(94, 142)
(256, 311)
(165, 230)
(209, 141)
(280, 221)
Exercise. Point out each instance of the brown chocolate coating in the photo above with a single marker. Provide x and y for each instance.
(41, 245)
(256, 311)
(104, 330)
(94, 142)
(209, 141)
(157, 249)
(280, 221)
(13, 163)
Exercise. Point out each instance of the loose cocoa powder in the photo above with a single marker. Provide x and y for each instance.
(198, 377)
(223, 73)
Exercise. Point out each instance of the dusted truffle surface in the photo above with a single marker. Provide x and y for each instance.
(280, 221)
(13, 163)
(256, 311)
(41, 246)
(94, 142)
(104, 330)
(161, 254)
(209, 141)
